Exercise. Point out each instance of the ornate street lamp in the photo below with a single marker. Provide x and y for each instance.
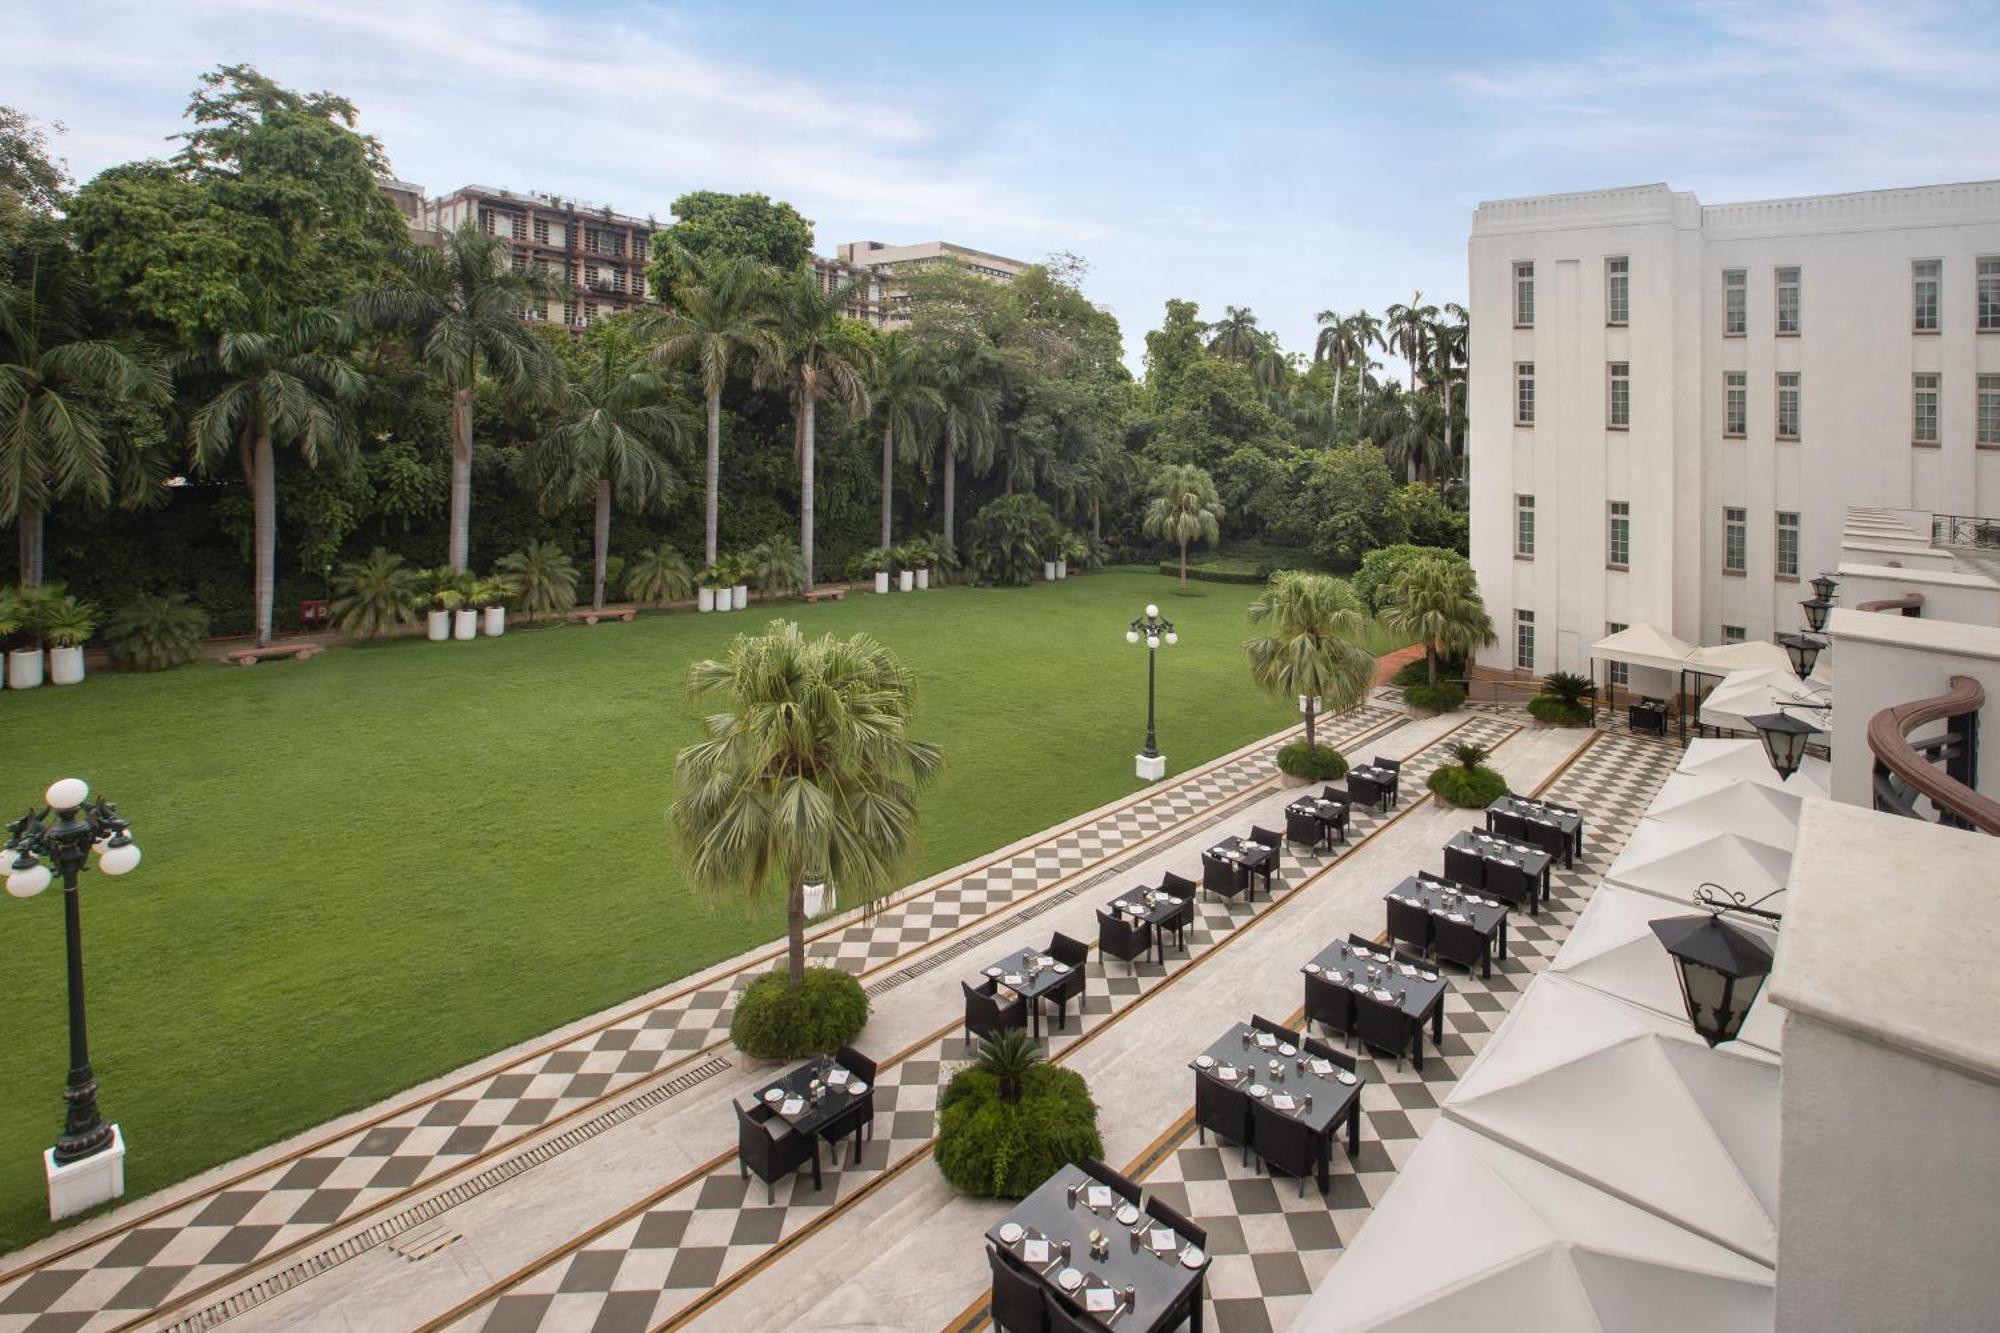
(59, 840)
(1816, 612)
(1823, 587)
(1722, 966)
(1803, 649)
(1785, 738)
(1152, 765)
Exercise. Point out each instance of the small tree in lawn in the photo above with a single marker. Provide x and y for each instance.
(1438, 601)
(806, 766)
(1184, 508)
(1313, 643)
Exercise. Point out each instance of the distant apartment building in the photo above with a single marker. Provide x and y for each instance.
(885, 261)
(865, 304)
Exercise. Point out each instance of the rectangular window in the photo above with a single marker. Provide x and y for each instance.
(1524, 525)
(1989, 410)
(541, 231)
(1618, 290)
(1788, 301)
(1619, 549)
(1524, 296)
(1524, 393)
(1735, 534)
(1618, 399)
(1735, 301)
(1621, 674)
(1924, 408)
(1735, 404)
(1788, 404)
(569, 312)
(1788, 544)
(1989, 294)
(1732, 634)
(1524, 640)
(1925, 274)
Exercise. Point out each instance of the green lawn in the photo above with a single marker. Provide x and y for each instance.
(367, 869)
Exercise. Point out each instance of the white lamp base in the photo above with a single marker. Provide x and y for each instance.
(77, 1186)
(1152, 767)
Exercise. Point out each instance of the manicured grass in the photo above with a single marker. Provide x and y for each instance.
(367, 869)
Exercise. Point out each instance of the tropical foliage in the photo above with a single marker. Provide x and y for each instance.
(779, 1019)
(1184, 509)
(1315, 763)
(1467, 782)
(1313, 644)
(543, 577)
(153, 633)
(1008, 541)
(374, 595)
(993, 1144)
(1437, 600)
(1564, 699)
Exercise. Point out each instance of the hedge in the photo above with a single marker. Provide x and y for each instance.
(1558, 712)
(1201, 575)
(1318, 763)
(774, 1020)
(1467, 788)
(1417, 673)
(1443, 697)
(990, 1147)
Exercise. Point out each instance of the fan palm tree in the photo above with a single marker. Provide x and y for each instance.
(806, 765)
(54, 381)
(721, 319)
(617, 425)
(826, 356)
(906, 402)
(1314, 645)
(967, 424)
(1437, 599)
(1184, 508)
(289, 384)
(459, 306)
(1235, 336)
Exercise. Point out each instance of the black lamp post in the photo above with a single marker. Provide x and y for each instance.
(1803, 649)
(1823, 587)
(1816, 612)
(1155, 631)
(1785, 738)
(1722, 966)
(60, 839)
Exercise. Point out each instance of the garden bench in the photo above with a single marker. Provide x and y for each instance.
(590, 616)
(252, 656)
(826, 595)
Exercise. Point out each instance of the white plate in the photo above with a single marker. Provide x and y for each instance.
(1062, 969)
(1258, 1089)
(1313, 968)
(1192, 1257)
(992, 971)
(1069, 1279)
(1428, 976)
(1288, 1049)
(774, 1094)
(857, 1088)
(1204, 1062)
(1345, 1077)
(1128, 1214)
(1010, 1232)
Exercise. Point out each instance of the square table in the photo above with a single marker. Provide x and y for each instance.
(1132, 905)
(1648, 715)
(1162, 1280)
(1012, 972)
(1334, 1103)
(1370, 786)
(1422, 999)
(1486, 917)
(795, 1106)
(1498, 851)
(1249, 858)
(1570, 822)
(1330, 814)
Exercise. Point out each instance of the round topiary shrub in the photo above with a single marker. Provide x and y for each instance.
(1444, 697)
(777, 1020)
(1008, 1121)
(1558, 712)
(1314, 763)
(1472, 788)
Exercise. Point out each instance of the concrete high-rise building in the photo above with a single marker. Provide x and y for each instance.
(886, 261)
(1673, 405)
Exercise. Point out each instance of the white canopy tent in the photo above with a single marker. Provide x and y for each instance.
(1644, 646)
(1743, 695)
(1769, 815)
(1745, 760)
(1752, 654)
(1670, 861)
(1473, 1235)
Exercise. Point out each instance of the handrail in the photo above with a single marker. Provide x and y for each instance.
(1964, 530)
(1908, 602)
(1889, 739)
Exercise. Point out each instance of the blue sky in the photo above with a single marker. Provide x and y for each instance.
(1288, 157)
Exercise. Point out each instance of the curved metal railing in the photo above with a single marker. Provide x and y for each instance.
(1889, 740)
(1909, 604)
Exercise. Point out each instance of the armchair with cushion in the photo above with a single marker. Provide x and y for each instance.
(1124, 940)
(1073, 954)
(986, 1013)
(1286, 1144)
(767, 1148)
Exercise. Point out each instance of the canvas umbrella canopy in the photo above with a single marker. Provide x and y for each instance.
(1751, 655)
(1769, 815)
(1745, 760)
(1743, 695)
(1671, 860)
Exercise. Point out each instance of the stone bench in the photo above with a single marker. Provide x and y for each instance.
(590, 615)
(252, 656)
(826, 595)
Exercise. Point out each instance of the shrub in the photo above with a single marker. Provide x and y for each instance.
(544, 579)
(874, 560)
(658, 576)
(1415, 673)
(990, 1146)
(775, 566)
(1211, 574)
(68, 623)
(777, 1020)
(1443, 697)
(1380, 566)
(1467, 788)
(375, 594)
(151, 633)
(1569, 687)
(1316, 763)
(1007, 541)
(1558, 712)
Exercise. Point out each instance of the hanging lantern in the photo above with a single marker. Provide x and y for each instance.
(1785, 738)
(1722, 968)
(1803, 649)
(1823, 587)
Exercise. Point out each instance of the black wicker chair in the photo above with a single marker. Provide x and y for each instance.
(1382, 1026)
(1222, 1110)
(1330, 1004)
(1410, 923)
(858, 1119)
(769, 1155)
(1464, 867)
(1017, 1296)
(1304, 828)
(1073, 954)
(986, 1013)
(1395, 768)
(1460, 942)
(1285, 1143)
(1104, 1175)
(1221, 875)
(1278, 1030)
(1182, 921)
(1124, 940)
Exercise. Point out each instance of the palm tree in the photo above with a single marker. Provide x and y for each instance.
(1449, 346)
(1412, 329)
(262, 387)
(1345, 343)
(1315, 644)
(54, 382)
(1235, 336)
(967, 424)
(616, 425)
(826, 356)
(806, 766)
(1184, 508)
(906, 402)
(1437, 599)
(721, 319)
(459, 306)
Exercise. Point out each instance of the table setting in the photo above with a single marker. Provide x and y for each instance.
(1272, 1070)
(1417, 991)
(1064, 1233)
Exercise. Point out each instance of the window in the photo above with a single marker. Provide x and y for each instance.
(1619, 552)
(1524, 525)
(1524, 393)
(1788, 404)
(569, 313)
(1617, 290)
(1524, 296)
(1735, 525)
(1924, 277)
(1524, 640)
(1734, 302)
(1989, 294)
(1618, 401)
(1989, 410)
(1620, 673)
(1788, 302)
(1732, 634)
(1735, 403)
(1924, 408)
(541, 231)
(1788, 544)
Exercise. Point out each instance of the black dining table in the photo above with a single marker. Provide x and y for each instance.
(1330, 814)
(1485, 915)
(1031, 983)
(1133, 906)
(1241, 1059)
(1370, 786)
(1157, 1266)
(795, 1104)
(1423, 999)
(1568, 822)
(1647, 715)
(1500, 851)
(1249, 858)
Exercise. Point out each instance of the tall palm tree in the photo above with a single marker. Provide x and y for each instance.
(826, 356)
(906, 402)
(721, 319)
(1345, 344)
(1450, 343)
(1235, 336)
(459, 307)
(1411, 329)
(54, 381)
(1184, 508)
(288, 384)
(1437, 599)
(967, 424)
(617, 424)
(1314, 645)
(806, 766)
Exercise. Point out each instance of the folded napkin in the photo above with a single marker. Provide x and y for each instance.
(1098, 1300)
(1322, 1067)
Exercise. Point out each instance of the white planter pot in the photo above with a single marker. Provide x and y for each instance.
(440, 626)
(704, 600)
(496, 621)
(1062, 568)
(924, 577)
(1049, 571)
(1309, 700)
(906, 580)
(24, 668)
(66, 666)
(819, 899)
(465, 624)
(882, 581)
(740, 596)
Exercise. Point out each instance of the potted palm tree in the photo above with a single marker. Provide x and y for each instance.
(710, 590)
(738, 569)
(68, 624)
(875, 561)
(906, 566)
(23, 628)
(443, 593)
(1312, 645)
(490, 595)
(923, 554)
(543, 579)
(1073, 548)
(11, 614)
(775, 566)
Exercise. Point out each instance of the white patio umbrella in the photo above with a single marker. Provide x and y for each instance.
(1743, 695)
(1720, 756)
(1670, 860)
(1769, 815)
(1751, 655)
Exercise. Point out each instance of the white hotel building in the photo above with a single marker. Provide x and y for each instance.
(1672, 405)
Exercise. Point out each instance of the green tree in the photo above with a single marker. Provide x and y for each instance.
(1343, 344)
(717, 227)
(806, 766)
(1184, 508)
(905, 405)
(1438, 601)
(34, 187)
(1313, 643)
(826, 356)
(967, 423)
(1235, 337)
(1343, 501)
(1173, 347)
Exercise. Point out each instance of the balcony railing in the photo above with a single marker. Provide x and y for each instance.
(1941, 768)
(1963, 530)
(1909, 604)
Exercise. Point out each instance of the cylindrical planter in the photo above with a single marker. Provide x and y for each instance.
(819, 899)
(1062, 568)
(882, 581)
(66, 666)
(1049, 571)
(906, 580)
(1309, 700)
(496, 621)
(440, 626)
(740, 596)
(465, 623)
(924, 577)
(24, 668)
(704, 600)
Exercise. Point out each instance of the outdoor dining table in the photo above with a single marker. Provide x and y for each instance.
(1486, 916)
(1142, 1278)
(1242, 1059)
(790, 1099)
(1423, 998)
(1647, 714)
(1155, 907)
(1249, 858)
(1030, 974)
(1330, 814)
(1369, 786)
(1570, 822)
(1501, 851)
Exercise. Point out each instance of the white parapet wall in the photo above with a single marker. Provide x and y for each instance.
(1970, 599)
(1883, 660)
(1907, 555)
